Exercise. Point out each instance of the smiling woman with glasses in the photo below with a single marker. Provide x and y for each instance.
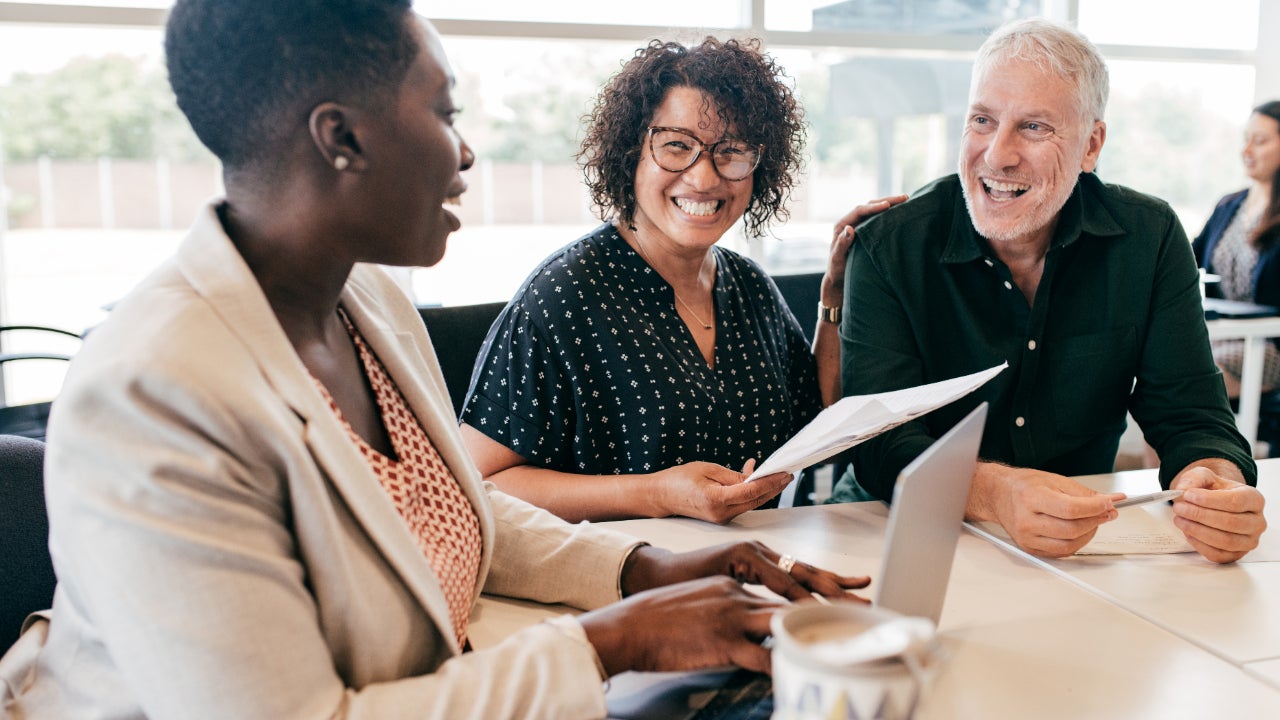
(643, 370)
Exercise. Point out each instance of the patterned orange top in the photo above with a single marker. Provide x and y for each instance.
(423, 490)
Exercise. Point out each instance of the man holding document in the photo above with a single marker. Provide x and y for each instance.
(1089, 291)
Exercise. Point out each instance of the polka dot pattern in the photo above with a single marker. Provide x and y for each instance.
(591, 370)
(424, 492)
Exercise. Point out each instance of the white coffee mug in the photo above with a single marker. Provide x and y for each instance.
(850, 662)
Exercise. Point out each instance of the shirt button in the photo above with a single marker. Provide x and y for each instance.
(1020, 421)
(1008, 285)
(988, 262)
(1031, 344)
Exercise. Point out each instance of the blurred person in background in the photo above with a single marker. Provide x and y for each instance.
(1240, 243)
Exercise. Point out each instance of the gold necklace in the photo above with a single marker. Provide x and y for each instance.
(705, 325)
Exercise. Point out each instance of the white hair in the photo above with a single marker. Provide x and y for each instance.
(1053, 48)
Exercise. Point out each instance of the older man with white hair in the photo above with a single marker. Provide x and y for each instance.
(1088, 290)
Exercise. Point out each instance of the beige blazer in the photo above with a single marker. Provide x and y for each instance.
(224, 551)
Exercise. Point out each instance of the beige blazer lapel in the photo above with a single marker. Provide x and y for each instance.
(410, 359)
(215, 269)
(346, 468)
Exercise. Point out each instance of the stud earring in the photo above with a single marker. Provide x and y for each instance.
(340, 163)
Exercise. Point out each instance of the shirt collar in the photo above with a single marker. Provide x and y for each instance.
(1082, 215)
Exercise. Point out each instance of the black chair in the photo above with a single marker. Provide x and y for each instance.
(26, 570)
(457, 333)
(30, 419)
(801, 292)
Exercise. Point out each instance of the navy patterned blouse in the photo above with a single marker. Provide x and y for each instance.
(590, 369)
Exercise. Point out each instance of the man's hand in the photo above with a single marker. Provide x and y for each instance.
(1220, 515)
(1045, 514)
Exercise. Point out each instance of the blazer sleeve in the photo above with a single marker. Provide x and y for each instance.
(1204, 243)
(1266, 290)
(538, 556)
(1198, 244)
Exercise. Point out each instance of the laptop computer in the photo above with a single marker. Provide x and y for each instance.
(1215, 308)
(925, 521)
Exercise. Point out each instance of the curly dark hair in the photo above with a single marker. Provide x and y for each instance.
(745, 86)
(246, 72)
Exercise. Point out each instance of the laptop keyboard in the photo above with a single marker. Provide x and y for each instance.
(745, 696)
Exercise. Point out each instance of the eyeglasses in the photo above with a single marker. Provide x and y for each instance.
(675, 150)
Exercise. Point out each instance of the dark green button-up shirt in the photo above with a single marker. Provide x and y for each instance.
(1116, 325)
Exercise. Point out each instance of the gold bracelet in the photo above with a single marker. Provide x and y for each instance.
(829, 314)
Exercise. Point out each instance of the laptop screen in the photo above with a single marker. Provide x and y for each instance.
(925, 521)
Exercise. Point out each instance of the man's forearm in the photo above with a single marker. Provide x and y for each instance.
(990, 487)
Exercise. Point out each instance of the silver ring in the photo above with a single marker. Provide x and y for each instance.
(786, 562)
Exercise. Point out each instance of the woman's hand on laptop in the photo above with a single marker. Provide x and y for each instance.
(702, 623)
(746, 562)
(689, 610)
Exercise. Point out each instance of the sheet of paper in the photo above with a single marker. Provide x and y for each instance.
(1140, 530)
(861, 417)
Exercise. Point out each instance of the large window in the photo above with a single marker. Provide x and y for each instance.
(1222, 24)
(99, 175)
(662, 13)
(521, 111)
(1175, 130)
(916, 17)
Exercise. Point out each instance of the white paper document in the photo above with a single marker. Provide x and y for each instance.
(862, 417)
(1140, 530)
